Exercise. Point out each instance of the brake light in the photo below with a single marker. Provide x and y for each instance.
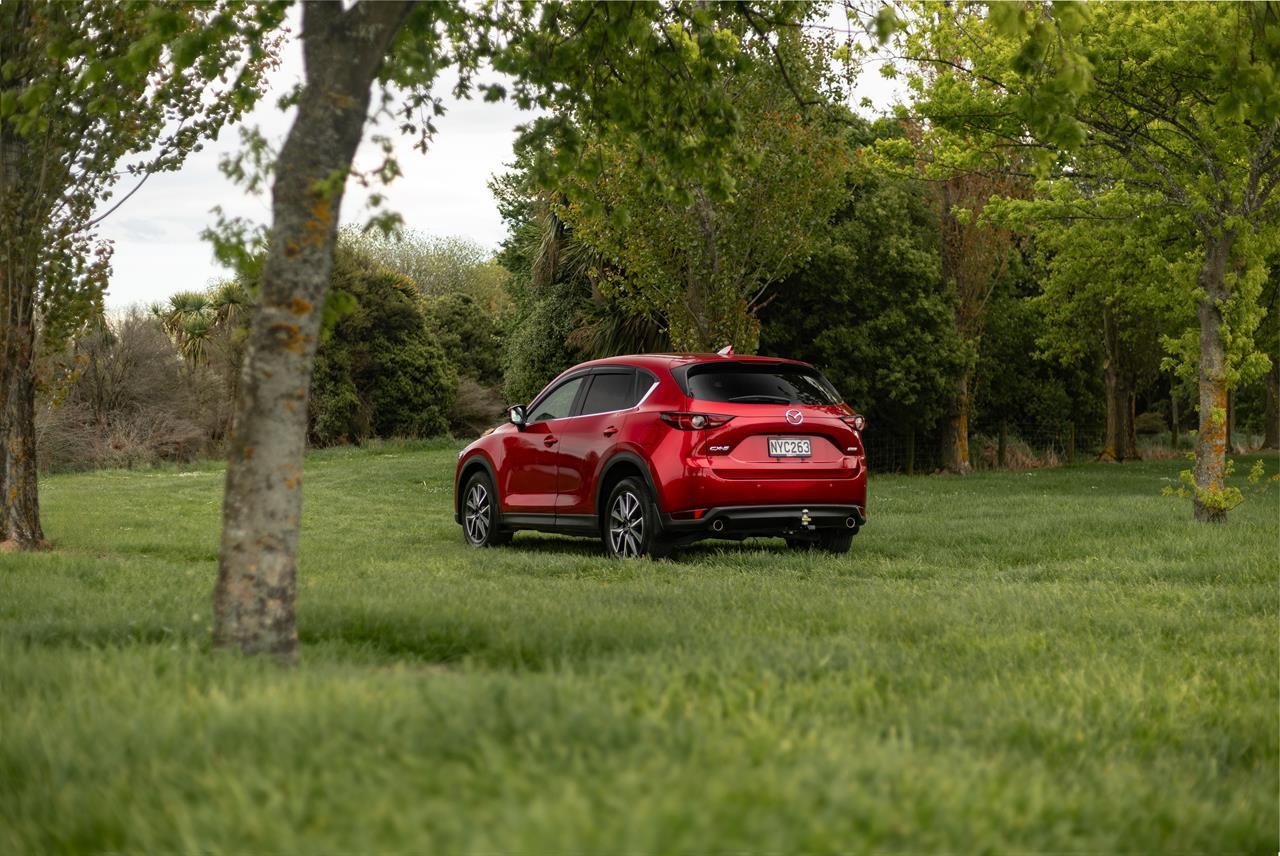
(857, 421)
(694, 421)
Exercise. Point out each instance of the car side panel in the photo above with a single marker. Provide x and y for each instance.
(527, 468)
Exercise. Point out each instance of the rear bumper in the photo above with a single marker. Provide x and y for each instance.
(744, 521)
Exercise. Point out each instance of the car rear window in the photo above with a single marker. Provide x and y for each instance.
(758, 383)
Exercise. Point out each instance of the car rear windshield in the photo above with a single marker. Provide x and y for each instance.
(758, 383)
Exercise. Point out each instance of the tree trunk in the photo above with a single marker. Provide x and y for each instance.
(19, 496)
(262, 507)
(955, 448)
(1002, 445)
(1175, 424)
(1131, 422)
(1071, 442)
(1211, 442)
(20, 505)
(1271, 414)
(1120, 442)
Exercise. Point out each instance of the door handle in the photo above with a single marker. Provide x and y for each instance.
(549, 441)
(610, 431)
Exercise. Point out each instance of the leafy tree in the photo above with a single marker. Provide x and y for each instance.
(539, 344)
(1107, 260)
(643, 71)
(975, 260)
(1269, 342)
(560, 316)
(1177, 101)
(380, 371)
(870, 308)
(1021, 386)
(210, 324)
(438, 266)
(91, 92)
(699, 264)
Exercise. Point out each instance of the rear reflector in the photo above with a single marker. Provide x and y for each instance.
(695, 514)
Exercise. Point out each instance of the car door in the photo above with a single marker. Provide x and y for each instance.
(529, 469)
(587, 438)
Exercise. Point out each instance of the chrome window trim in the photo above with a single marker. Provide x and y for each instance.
(635, 406)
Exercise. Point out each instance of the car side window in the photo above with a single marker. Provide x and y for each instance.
(609, 391)
(557, 403)
(644, 380)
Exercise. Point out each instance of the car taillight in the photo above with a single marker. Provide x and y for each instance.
(857, 422)
(694, 421)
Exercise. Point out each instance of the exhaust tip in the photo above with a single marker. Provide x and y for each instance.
(850, 522)
(717, 525)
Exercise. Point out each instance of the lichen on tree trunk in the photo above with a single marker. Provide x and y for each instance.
(1211, 442)
(262, 507)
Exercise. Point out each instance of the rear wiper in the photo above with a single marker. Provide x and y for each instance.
(761, 399)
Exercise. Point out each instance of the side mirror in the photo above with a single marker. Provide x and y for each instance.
(516, 416)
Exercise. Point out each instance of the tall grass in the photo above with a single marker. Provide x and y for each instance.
(1051, 660)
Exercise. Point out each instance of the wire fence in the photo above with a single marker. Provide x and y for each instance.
(892, 449)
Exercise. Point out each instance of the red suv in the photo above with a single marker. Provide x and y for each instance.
(650, 452)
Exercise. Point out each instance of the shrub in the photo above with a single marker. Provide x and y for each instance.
(379, 372)
(120, 395)
(1150, 423)
(1018, 454)
(476, 408)
(537, 345)
(469, 333)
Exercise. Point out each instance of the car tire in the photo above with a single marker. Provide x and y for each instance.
(828, 542)
(629, 524)
(480, 513)
(837, 541)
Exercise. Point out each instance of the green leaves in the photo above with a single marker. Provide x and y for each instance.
(94, 91)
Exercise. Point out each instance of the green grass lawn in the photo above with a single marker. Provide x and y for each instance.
(1055, 660)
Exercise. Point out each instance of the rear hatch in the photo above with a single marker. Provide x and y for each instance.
(788, 421)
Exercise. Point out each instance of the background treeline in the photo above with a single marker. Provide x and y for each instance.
(969, 337)
(412, 347)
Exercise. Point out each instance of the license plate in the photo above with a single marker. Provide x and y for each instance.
(788, 447)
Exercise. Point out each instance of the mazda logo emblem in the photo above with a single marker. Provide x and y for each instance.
(794, 417)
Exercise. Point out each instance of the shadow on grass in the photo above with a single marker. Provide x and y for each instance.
(113, 635)
(698, 550)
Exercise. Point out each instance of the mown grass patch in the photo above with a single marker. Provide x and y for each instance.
(1050, 660)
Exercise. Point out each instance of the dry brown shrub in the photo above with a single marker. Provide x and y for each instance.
(475, 408)
(121, 396)
(1018, 454)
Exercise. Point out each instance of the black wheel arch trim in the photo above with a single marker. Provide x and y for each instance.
(477, 460)
(616, 459)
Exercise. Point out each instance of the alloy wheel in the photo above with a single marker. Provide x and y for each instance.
(626, 525)
(477, 515)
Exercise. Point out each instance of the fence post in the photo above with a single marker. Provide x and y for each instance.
(1071, 442)
(1003, 443)
(1173, 409)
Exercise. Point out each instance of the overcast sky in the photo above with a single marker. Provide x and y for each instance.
(156, 233)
